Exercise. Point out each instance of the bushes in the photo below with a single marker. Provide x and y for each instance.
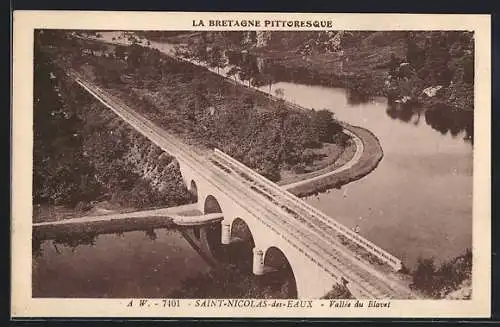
(192, 102)
(339, 291)
(82, 151)
(61, 172)
(230, 281)
(437, 282)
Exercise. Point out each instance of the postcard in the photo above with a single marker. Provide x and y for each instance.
(197, 164)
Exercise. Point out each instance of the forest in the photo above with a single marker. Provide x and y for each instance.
(84, 153)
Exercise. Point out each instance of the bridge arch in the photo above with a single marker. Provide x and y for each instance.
(240, 251)
(281, 276)
(241, 231)
(211, 205)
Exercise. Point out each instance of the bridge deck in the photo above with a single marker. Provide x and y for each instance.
(302, 227)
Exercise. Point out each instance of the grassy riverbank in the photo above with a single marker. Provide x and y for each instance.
(369, 160)
(333, 157)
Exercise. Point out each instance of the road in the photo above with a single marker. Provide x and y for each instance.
(304, 232)
(348, 165)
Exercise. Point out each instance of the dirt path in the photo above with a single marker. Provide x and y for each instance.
(348, 165)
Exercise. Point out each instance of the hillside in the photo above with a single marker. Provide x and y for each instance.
(198, 106)
(433, 68)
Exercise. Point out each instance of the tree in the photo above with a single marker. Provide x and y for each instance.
(280, 93)
(270, 79)
(200, 51)
(244, 75)
(134, 55)
(216, 58)
(325, 125)
(414, 54)
(435, 68)
(423, 276)
(217, 61)
(468, 69)
(119, 52)
(393, 64)
(338, 291)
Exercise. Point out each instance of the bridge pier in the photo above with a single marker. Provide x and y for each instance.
(258, 262)
(225, 233)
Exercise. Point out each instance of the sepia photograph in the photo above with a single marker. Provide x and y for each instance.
(253, 168)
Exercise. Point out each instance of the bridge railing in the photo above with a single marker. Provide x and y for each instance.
(375, 250)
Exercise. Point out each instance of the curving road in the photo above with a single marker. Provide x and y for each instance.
(348, 165)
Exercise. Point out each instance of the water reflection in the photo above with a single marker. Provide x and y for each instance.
(441, 118)
(127, 265)
(356, 98)
(404, 112)
(260, 72)
(133, 264)
(74, 240)
(451, 121)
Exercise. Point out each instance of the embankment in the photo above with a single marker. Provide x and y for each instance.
(368, 160)
(350, 171)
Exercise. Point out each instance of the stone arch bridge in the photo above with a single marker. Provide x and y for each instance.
(320, 251)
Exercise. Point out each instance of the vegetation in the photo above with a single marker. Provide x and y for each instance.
(83, 152)
(444, 59)
(370, 158)
(204, 109)
(61, 172)
(394, 64)
(229, 281)
(437, 282)
(338, 291)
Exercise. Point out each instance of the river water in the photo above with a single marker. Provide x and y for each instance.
(132, 264)
(416, 203)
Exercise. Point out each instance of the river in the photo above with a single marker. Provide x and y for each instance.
(416, 203)
(132, 264)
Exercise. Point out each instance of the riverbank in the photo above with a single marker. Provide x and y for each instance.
(398, 65)
(118, 221)
(334, 157)
(271, 140)
(365, 159)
